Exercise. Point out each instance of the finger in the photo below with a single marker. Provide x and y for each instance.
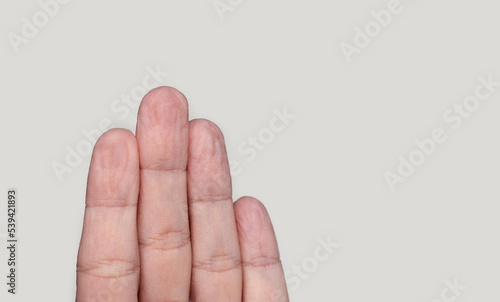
(164, 239)
(108, 259)
(216, 272)
(263, 277)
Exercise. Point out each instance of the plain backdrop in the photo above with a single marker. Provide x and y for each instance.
(321, 176)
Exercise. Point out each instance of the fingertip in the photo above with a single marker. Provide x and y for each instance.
(251, 216)
(208, 165)
(162, 130)
(115, 135)
(246, 202)
(206, 141)
(114, 166)
(160, 103)
(115, 148)
(203, 129)
(162, 91)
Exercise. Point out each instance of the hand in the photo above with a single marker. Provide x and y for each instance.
(160, 224)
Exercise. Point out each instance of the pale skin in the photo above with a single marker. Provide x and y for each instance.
(160, 223)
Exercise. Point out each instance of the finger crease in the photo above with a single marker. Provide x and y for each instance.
(164, 170)
(109, 269)
(218, 264)
(211, 199)
(262, 262)
(167, 241)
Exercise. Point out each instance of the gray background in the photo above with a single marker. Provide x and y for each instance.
(322, 176)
